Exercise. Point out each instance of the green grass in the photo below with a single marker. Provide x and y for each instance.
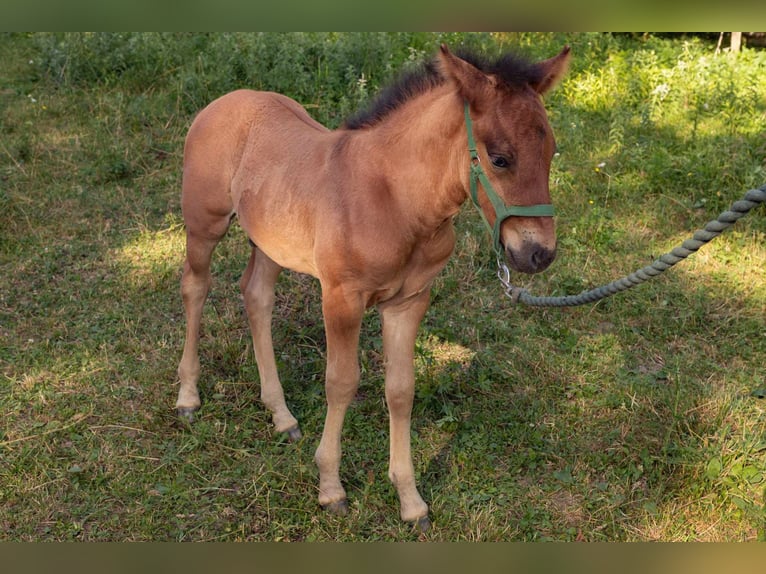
(633, 419)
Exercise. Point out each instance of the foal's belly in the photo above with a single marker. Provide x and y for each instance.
(284, 252)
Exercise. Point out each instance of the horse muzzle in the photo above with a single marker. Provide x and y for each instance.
(529, 257)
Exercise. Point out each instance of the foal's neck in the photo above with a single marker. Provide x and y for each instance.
(425, 160)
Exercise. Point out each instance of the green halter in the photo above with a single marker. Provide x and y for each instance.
(502, 211)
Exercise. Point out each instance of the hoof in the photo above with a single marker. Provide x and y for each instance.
(339, 507)
(422, 524)
(294, 434)
(186, 414)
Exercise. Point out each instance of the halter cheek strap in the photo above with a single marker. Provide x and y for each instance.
(502, 211)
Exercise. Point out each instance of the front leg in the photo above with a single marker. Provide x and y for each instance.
(343, 318)
(400, 328)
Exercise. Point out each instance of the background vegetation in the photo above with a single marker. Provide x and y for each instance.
(638, 418)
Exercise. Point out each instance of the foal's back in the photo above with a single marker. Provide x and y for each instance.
(240, 124)
(249, 153)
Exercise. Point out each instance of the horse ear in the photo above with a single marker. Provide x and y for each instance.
(469, 80)
(553, 70)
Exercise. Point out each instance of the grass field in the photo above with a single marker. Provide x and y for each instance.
(638, 418)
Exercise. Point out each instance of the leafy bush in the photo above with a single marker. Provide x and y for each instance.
(331, 73)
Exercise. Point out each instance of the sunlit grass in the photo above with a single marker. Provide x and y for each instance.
(152, 256)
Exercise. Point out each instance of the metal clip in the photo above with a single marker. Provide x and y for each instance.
(504, 275)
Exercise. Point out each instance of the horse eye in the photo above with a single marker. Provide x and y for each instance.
(500, 161)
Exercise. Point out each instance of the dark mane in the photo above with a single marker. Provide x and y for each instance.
(511, 69)
(409, 83)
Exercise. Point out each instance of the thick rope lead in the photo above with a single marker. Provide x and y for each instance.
(713, 229)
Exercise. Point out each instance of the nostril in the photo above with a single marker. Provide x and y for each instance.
(530, 259)
(541, 258)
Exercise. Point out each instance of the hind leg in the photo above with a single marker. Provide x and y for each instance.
(257, 286)
(195, 284)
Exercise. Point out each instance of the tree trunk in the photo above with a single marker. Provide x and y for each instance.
(736, 41)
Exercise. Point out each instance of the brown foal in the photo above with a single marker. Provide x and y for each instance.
(367, 209)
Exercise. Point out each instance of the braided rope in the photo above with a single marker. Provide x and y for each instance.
(713, 229)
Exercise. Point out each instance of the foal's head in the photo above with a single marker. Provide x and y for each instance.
(515, 144)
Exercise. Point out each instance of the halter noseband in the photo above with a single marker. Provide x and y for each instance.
(502, 211)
